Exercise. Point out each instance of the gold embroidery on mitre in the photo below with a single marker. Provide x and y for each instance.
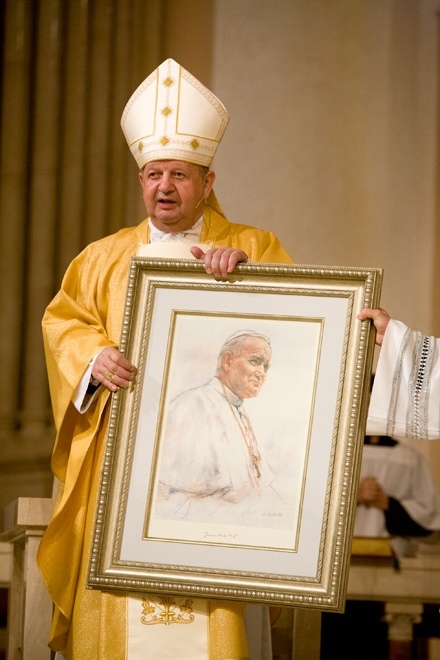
(168, 81)
(167, 611)
(166, 111)
(164, 141)
(195, 144)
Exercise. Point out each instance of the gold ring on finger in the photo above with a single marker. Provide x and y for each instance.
(109, 375)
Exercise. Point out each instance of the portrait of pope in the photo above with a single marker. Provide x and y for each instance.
(212, 466)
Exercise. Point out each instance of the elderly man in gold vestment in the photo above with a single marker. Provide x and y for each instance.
(173, 125)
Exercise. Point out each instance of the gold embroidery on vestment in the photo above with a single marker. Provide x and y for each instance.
(167, 611)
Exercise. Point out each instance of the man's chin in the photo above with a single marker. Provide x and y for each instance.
(250, 394)
(166, 223)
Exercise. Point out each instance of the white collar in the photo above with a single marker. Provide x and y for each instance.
(226, 392)
(191, 235)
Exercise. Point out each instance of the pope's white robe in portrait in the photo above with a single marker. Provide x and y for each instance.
(206, 473)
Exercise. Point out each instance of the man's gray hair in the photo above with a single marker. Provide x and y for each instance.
(235, 342)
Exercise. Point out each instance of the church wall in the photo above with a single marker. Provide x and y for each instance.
(333, 136)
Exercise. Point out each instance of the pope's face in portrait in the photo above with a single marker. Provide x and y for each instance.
(244, 373)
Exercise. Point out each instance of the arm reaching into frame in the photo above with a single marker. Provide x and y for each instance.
(380, 319)
(406, 393)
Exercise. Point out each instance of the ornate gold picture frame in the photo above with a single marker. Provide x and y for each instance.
(243, 494)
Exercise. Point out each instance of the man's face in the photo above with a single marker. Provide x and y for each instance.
(174, 193)
(245, 372)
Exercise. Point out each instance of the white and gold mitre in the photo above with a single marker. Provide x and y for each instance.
(173, 116)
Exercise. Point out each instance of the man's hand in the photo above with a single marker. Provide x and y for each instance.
(221, 261)
(380, 319)
(112, 369)
(371, 493)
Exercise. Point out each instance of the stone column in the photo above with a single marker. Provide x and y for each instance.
(30, 609)
(401, 618)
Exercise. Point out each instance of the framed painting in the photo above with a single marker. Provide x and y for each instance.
(231, 464)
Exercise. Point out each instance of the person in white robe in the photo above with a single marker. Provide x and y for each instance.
(397, 495)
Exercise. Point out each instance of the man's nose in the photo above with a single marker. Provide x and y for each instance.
(166, 182)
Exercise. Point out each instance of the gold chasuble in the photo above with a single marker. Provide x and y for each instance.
(84, 317)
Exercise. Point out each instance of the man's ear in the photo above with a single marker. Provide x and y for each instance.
(226, 360)
(209, 182)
